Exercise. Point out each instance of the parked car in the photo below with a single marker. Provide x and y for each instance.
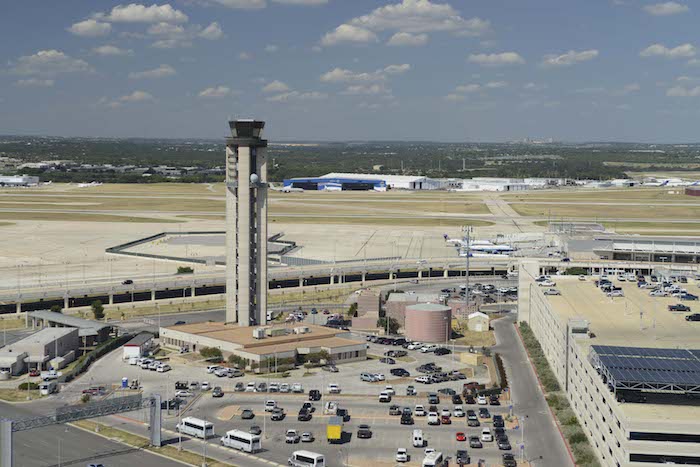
(486, 435)
(462, 457)
(419, 410)
(217, 392)
(333, 388)
(693, 317)
(239, 387)
(509, 460)
(401, 455)
(458, 412)
(255, 430)
(314, 395)
(277, 414)
(475, 442)
(678, 307)
(247, 414)
(387, 360)
(481, 400)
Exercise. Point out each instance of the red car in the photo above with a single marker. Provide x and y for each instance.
(461, 436)
(34, 372)
(445, 420)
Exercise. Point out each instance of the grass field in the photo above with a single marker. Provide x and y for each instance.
(2, 224)
(80, 217)
(583, 211)
(315, 219)
(623, 195)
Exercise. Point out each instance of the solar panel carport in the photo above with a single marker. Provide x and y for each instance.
(649, 369)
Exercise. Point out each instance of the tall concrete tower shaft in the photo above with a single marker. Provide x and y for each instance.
(246, 224)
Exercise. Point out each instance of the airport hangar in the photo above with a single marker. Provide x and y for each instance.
(629, 367)
(378, 182)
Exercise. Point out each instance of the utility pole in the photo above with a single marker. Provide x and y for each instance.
(467, 245)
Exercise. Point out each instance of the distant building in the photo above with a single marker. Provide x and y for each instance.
(18, 180)
(91, 332)
(359, 183)
(396, 304)
(396, 182)
(138, 346)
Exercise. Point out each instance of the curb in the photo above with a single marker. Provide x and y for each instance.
(554, 417)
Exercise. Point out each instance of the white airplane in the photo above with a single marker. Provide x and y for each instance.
(482, 246)
(88, 185)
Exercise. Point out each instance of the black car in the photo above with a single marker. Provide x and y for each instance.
(247, 414)
(433, 398)
(364, 432)
(688, 296)
(177, 323)
(442, 351)
(504, 444)
(475, 442)
(314, 395)
(447, 391)
(406, 419)
(484, 413)
(400, 372)
(171, 404)
(509, 460)
(304, 415)
(343, 413)
(127, 282)
(498, 421)
(469, 399)
(388, 360)
(254, 430)
(693, 317)
(456, 399)
(493, 400)
(308, 406)
(217, 392)
(394, 410)
(462, 457)
(678, 307)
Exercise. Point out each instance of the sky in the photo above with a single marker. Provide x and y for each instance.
(339, 70)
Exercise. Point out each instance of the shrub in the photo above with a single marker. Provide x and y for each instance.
(85, 398)
(56, 308)
(98, 310)
(28, 387)
(211, 353)
(184, 270)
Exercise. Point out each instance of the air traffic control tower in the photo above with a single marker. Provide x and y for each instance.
(246, 224)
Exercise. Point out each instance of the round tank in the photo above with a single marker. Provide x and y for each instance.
(692, 191)
(428, 322)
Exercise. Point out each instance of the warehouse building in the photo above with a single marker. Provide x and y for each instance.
(91, 332)
(647, 248)
(260, 344)
(359, 183)
(629, 367)
(18, 180)
(138, 346)
(48, 348)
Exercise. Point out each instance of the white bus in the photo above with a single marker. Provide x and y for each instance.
(242, 440)
(306, 459)
(434, 459)
(48, 387)
(195, 427)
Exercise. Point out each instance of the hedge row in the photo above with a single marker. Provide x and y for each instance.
(86, 360)
(578, 441)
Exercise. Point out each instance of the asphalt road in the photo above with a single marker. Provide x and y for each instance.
(63, 445)
(543, 443)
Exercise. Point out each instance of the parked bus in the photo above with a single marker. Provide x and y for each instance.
(195, 427)
(306, 459)
(241, 440)
(48, 387)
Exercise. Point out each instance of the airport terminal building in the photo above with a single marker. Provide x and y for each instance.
(629, 367)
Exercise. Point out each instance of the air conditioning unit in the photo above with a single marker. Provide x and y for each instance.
(302, 330)
(259, 333)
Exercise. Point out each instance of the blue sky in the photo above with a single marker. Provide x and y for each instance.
(455, 70)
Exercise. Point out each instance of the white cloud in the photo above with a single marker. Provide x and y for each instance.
(302, 2)
(49, 62)
(34, 82)
(367, 89)
(342, 75)
(270, 48)
(212, 32)
(693, 62)
(165, 29)
(408, 39)
(90, 28)
(275, 87)
(161, 72)
(244, 56)
(628, 89)
(496, 84)
(497, 59)
(241, 4)
(134, 97)
(455, 97)
(216, 92)
(171, 43)
(369, 106)
(571, 57)
(348, 33)
(111, 50)
(296, 95)
(660, 50)
(681, 91)
(468, 88)
(666, 9)
(136, 13)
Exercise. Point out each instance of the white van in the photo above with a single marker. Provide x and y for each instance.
(242, 440)
(134, 361)
(48, 387)
(434, 459)
(195, 427)
(306, 459)
(418, 441)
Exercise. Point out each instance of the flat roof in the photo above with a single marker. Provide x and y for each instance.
(87, 327)
(412, 297)
(139, 340)
(244, 335)
(635, 320)
(329, 342)
(43, 337)
(428, 307)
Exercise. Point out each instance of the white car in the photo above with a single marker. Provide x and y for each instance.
(422, 379)
(297, 387)
(419, 411)
(657, 293)
(486, 435)
(401, 455)
(547, 283)
(390, 390)
(429, 451)
(333, 389)
(250, 387)
(183, 393)
(433, 418)
(284, 387)
(445, 413)
(291, 436)
(270, 406)
(206, 386)
(616, 293)
(552, 292)
(458, 411)
(415, 346)
(273, 387)
(481, 400)
(427, 348)
(212, 368)
(379, 376)
(163, 368)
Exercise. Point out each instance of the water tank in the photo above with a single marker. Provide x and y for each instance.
(428, 322)
(259, 333)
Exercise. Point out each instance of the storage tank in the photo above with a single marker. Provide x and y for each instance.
(693, 191)
(428, 322)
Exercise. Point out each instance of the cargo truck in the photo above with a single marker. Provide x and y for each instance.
(334, 429)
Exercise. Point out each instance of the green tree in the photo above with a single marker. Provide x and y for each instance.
(393, 326)
(211, 353)
(56, 308)
(352, 311)
(184, 270)
(98, 310)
